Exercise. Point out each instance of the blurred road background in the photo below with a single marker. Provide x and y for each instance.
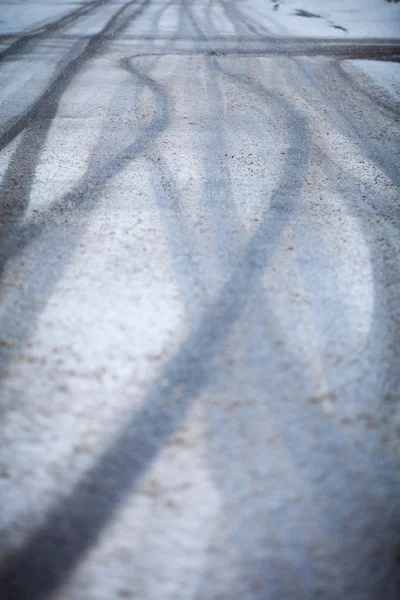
(199, 300)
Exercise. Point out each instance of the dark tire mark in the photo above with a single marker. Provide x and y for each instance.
(52, 95)
(255, 570)
(377, 388)
(157, 18)
(14, 207)
(181, 234)
(318, 458)
(42, 32)
(242, 28)
(368, 91)
(55, 549)
(343, 114)
(243, 22)
(19, 176)
(187, 9)
(218, 194)
(259, 47)
(15, 237)
(187, 375)
(81, 198)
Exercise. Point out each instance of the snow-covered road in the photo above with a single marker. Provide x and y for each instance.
(199, 300)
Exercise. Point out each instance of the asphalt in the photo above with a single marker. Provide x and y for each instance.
(199, 304)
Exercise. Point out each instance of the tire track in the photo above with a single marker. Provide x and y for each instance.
(340, 108)
(371, 205)
(70, 531)
(302, 450)
(16, 236)
(37, 123)
(41, 33)
(51, 97)
(217, 197)
(82, 198)
(222, 224)
(243, 22)
(346, 491)
(391, 110)
(367, 471)
(303, 576)
(53, 551)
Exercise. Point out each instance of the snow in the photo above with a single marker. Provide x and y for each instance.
(298, 18)
(15, 19)
(333, 19)
(384, 75)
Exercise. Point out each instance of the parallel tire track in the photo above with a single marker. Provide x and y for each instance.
(70, 532)
(42, 32)
(49, 100)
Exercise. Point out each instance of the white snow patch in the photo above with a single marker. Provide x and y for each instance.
(385, 75)
(334, 19)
